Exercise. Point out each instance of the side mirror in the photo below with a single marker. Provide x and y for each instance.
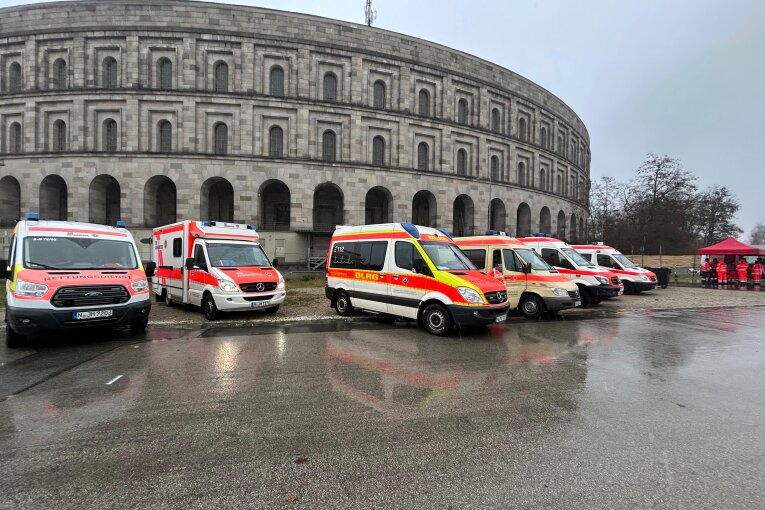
(189, 263)
(149, 269)
(526, 268)
(275, 263)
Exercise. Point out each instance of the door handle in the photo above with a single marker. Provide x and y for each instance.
(395, 277)
(382, 275)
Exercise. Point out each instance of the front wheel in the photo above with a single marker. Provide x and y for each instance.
(531, 306)
(13, 340)
(169, 301)
(629, 288)
(586, 297)
(343, 305)
(436, 320)
(209, 308)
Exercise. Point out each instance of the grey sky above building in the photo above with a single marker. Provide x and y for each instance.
(684, 78)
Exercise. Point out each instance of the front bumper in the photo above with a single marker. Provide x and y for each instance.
(641, 285)
(554, 304)
(604, 291)
(243, 302)
(34, 320)
(477, 315)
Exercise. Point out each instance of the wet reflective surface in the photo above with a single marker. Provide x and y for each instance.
(647, 410)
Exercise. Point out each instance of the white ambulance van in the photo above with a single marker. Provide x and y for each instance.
(66, 275)
(635, 278)
(218, 266)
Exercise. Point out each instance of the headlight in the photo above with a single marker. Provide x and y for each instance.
(602, 279)
(560, 292)
(140, 285)
(643, 277)
(30, 289)
(281, 283)
(227, 286)
(470, 295)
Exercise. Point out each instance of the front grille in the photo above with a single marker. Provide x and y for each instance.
(615, 280)
(90, 295)
(573, 294)
(253, 287)
(495, 298)
(257, 298)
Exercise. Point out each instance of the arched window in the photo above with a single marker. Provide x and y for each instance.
(109, 73)
(542, 179)
(14, 138)
(378, 151)
(494, 168)
(559, 186)
(276, 142)
(522, 130)
(495, 120)
(220, 143)
(14, 77)
(109, 136)
(521, 177)
(328, 145)
(59, 74)
(424, 103)
(165, 73)
(423, 156)
(462, 162)
(59, 136)
(379, 94)
(543, 136)
(561, 147)
(330, 87)
(220, 73)
(165, 136)
(276, 81)
(462, 111)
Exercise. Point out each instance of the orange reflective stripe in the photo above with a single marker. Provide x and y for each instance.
(76, 231)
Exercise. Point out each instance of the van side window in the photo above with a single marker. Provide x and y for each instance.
(344, 256)
(511, 261)
(551, 256)
(477, 257)
(407, 257)
(199, 256)
(12, 257)
(371, 255)
(177, 247)
(496, 258)
(605, 260)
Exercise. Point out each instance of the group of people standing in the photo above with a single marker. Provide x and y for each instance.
(721, 271)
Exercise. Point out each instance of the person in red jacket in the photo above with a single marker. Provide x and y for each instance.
(722, 272)
(705, 270)
(757, 271)
(741, 268)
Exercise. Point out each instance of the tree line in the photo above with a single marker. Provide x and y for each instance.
(661, 210)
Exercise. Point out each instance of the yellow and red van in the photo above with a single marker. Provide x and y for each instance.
(218, 266)
(66, 274)
(533, 286)
(412, 272)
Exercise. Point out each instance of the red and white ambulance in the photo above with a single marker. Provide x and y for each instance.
(65, 275)
(595, 283)
(635, 278)
(218, 266)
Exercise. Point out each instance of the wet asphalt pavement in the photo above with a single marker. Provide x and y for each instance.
(644, 410)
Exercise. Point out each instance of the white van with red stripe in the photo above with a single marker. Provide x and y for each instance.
(66, 275)
(218, 266)
(635, 278)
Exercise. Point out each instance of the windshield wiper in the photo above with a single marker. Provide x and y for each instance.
(44, 266)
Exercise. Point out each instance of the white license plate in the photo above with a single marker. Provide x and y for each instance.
(95, 314)
(259, 304)
(577, 303)
(501, 318)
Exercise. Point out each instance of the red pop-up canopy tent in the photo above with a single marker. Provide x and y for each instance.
(730, 246)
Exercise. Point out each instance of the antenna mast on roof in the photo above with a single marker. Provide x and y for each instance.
(371, 14)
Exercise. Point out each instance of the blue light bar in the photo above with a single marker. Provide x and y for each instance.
(411, 230)
(445, 232)
(33, 216)
(492, 233)
(120, 224)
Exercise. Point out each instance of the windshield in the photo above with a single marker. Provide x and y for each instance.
(446, 256)
(78, 253)
(576, 257)
(624, 261)
(232, 255)
(530, 257)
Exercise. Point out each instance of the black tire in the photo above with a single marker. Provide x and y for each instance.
(272, 309)
(13, 340)
(436, 320)
(629, 288)
(169, 301)
(343, 305)
(139, 326)
(531, 306)
(586, 296)
(209, 308)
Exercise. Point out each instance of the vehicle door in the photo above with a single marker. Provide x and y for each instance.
(370, 281)
(515, 278)
(607, 261)
(11, 268)
(410, 278)
(198, 275)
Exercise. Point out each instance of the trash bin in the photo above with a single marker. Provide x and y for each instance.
(662, 275)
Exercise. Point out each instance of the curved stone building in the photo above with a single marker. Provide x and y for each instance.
(155, 110)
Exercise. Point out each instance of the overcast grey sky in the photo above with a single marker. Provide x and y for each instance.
(684, 78)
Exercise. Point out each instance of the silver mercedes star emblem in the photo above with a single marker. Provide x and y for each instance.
(260, 287)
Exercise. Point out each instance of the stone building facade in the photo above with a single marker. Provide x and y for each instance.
(155, 110)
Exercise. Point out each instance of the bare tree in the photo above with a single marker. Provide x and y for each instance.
(714, 211)
(758, 234)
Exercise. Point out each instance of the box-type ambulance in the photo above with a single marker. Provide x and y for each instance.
(635, 278)
(218, 266)
(65, 275)
(413, 272)
(595, 283)
(533, 286)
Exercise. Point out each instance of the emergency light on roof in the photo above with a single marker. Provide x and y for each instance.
(495, 233)
(411, 230)
(445, 232)
(33, 216)
(541, 234)
(120, 224)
